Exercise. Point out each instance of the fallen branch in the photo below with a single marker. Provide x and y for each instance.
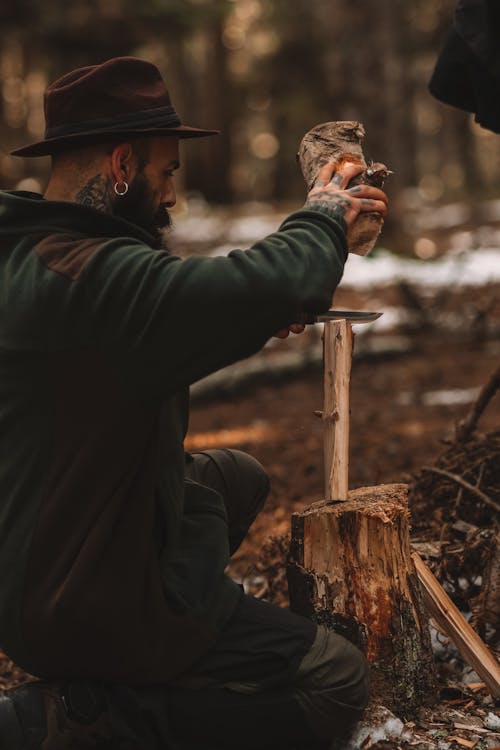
(468, 425)
(466, 485)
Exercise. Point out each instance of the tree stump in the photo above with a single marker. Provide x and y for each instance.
(351, 569)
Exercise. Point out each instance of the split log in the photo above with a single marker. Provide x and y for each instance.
(351, 568)
(341, 142)
(451, 621)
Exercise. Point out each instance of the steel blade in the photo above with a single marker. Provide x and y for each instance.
(354, 316)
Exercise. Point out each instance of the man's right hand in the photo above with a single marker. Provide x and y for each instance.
(330, 191)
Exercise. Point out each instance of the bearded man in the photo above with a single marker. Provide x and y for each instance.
(113, 542)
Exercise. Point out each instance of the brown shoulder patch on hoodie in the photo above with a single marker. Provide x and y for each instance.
(67, 255)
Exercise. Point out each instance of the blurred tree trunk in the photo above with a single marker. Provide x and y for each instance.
(396, 45)
(209, 163)
(295, 77)
(458, 145)
(466, 149)
(370, 78)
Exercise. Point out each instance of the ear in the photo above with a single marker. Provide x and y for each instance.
(123, 163)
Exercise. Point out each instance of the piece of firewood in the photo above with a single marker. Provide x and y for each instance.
(338, 344)
(450, 621)
(340, 142)
(350, 567)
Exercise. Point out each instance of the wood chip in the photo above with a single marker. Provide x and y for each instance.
(471, 728)
(475, 686)
(429, 550)
(464, 527)
(461, 741)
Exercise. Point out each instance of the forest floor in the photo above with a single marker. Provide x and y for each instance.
(412, 382)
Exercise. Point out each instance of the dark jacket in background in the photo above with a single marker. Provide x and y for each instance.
(467, 73)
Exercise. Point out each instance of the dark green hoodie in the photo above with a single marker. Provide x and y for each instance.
(111, 563)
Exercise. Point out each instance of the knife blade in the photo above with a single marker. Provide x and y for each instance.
(354, 316)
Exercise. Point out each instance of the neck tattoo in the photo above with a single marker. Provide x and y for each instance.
(96, 194)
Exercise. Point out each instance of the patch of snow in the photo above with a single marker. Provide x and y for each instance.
(450, 397)
(382, 726)
(441, 645)
(492, 721)
(473, 268)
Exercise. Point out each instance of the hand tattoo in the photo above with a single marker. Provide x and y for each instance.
(96, 194)
(336, 179)
(335, 202)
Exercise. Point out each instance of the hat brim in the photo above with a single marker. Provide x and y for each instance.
(54, 145)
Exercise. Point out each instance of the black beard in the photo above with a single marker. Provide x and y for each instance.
(136, 206)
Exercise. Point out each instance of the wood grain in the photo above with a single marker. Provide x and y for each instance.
(338, 345)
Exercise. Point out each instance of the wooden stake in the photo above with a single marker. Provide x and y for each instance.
(451, 621)
(338, 344)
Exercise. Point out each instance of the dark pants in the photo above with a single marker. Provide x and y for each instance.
(272, 681)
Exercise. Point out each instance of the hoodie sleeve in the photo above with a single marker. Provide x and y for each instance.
(179, 320)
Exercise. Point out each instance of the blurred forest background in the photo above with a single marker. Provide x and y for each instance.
(264, 72)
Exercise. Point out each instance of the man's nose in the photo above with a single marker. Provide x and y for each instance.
(169, 196)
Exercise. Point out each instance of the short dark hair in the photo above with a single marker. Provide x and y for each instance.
(142, 149)
(85, 153)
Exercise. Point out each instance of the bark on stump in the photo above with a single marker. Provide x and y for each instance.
(351, 569)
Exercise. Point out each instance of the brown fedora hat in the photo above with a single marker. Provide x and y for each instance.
(122, 96)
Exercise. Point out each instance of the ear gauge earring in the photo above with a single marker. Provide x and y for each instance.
(121, 188)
